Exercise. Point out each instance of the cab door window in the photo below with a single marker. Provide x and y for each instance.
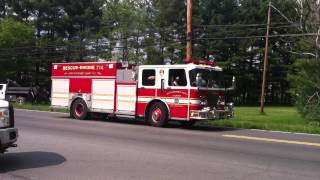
(177, 77)
(148, 77)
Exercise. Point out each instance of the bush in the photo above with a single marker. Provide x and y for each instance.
(312, 107)
(305, 79)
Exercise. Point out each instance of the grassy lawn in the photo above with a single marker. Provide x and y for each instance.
(38, 107)
(275, 118)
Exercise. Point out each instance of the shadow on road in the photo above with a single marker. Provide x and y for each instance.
(29, 160)
(172, 124)
(209, 128)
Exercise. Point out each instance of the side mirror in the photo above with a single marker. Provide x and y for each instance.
(134, 76)
(233, 82)
(233, 86)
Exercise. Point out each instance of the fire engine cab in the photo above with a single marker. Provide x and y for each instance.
(157, 93)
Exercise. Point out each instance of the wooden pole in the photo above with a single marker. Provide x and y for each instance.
(189, 31)
(265, 65)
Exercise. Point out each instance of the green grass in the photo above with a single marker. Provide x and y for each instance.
(274, 118)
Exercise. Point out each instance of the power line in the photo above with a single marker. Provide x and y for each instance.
(253, 30)
(51, 49)
(255, 37)
(110, 41)
(250, 25)
(232, 25)
(69, 52)
(284, 16)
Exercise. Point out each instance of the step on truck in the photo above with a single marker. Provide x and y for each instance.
(8, 133)
(157, 93)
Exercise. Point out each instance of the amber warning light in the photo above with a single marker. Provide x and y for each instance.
(201, 61)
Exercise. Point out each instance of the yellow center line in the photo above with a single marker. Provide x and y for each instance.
(272, 140)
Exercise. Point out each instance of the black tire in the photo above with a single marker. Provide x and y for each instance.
(11, 112)
(79, 110)
(188, 124)
(20, 100)
(158, 115)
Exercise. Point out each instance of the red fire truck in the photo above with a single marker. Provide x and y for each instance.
(157, 93)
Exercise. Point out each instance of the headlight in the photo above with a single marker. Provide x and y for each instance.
(230, 105)
(4, 118)
(221, 101)
(203, 101)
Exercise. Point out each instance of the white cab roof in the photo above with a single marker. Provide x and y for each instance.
(185, 66)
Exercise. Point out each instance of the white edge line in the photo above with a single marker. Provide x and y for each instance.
(283, 132)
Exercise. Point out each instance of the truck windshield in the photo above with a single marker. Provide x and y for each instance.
(209, 78)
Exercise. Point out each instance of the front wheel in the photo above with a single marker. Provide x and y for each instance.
(158, 115)
(20, 100)
(79, 110)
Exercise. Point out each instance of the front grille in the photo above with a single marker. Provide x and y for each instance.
(11, 112)
(212, 99)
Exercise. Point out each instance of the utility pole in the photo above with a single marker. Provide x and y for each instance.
(265, 65)
(189, 31)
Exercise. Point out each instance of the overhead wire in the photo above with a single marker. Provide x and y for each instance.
(176, 35)
(254, 37)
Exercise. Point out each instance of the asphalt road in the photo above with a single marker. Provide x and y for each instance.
(52, 146)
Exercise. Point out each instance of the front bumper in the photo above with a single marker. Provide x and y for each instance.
(8, 137)
(212, 114)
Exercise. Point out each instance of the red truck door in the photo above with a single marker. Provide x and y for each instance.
(147, 89)
(175, 92)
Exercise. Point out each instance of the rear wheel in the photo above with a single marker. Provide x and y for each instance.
(79, 110)
(158, 115)
(20, 100)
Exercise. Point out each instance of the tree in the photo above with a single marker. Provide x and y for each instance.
(22, 9)
(125, 23)
(3, 9)
(306, 83)
(309, 18)
(14, 35)
(305, 72)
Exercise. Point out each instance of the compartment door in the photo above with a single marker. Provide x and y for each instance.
(126, 98)
(60, 92)
(103, 92)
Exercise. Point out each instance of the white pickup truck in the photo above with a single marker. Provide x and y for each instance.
(3, 88)
(8, 133)
(13, 92)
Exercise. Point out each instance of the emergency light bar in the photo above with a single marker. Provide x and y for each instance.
(201, 61)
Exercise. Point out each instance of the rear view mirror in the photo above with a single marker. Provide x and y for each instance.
(233, 85)
(233, 82)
